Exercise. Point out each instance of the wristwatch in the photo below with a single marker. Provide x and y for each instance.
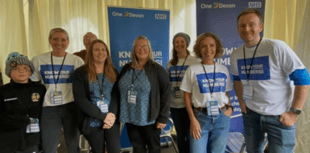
(227, 106)
(295, 111)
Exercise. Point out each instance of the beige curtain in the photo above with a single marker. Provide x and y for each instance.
(26, 30)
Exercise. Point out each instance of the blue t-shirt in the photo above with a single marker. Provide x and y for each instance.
(95, 95)
(137, 114)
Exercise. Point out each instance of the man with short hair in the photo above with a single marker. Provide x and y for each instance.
(271, 83)
(87, 39)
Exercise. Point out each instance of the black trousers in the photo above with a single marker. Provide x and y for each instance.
(144, 136)
(34, 149)
(99, 138)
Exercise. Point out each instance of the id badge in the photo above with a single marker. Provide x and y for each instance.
(213, 108)
(56, 97)
(33, 127)
(132, 97)
(103, 107)
(177, 92)
(247, 91)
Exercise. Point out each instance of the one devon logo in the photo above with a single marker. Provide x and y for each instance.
(217, 5)
(132, 15)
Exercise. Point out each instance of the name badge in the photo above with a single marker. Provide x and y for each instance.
(213, 108)
(248, 91)
(103, 107)
(33, 127)
(132, 96)
(177, 92)
(56, 97)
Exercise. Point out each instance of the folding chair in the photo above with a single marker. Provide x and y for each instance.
(166, 133)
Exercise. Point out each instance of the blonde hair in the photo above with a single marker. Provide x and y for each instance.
(134, 60)
(219, 46)
(57, 30)
(109, 69)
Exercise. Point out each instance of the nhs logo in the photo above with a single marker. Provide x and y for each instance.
(255, 5)
(161, 16)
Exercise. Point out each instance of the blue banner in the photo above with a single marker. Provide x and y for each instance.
(220, 17)
(126, 24)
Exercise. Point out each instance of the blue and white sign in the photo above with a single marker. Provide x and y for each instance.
(65, 76)
(259, 69)
(205, 83)
(220, 18)
(126, 24)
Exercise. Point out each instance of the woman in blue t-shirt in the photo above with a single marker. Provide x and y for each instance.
(93, 91)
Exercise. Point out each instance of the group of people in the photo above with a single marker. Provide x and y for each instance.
(88, 96)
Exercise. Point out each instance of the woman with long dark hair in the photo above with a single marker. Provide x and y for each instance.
(93, 90)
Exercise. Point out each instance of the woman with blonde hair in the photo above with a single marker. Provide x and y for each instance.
(55, 70)
(144, 89)
(93, 90)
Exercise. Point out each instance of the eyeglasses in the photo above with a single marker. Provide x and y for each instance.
(92, 39)
(139, 47)
(20, 68)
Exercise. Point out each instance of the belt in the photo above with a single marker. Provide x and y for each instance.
(204, 109)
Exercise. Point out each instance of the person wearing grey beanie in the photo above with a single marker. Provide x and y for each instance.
(176, 67)
(21, 103)
(17, 61)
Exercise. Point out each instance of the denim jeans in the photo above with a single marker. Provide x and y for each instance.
(53, 119)
(214, 133)
(181, 123)
(281, 138)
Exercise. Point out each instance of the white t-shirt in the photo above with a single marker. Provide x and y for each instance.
(176, 77)
(43, 72)
(196, 82)
(273, 63)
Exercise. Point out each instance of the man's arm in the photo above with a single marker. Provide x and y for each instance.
(300, 95)
(239, 92)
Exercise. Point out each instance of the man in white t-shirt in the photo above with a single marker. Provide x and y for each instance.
(271, 84)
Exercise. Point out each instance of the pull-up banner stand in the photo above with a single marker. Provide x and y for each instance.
(126, 24)
(220, 17)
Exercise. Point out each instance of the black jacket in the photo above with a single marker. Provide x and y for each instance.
(82, 98)
(160, 90)
(19, 102)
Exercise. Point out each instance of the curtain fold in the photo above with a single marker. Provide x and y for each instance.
(12, 31)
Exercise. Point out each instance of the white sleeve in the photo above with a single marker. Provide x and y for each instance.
(186, 84)
(288, 59)
(36, 76)
(79, 62)
(234, 65)
(228, 81)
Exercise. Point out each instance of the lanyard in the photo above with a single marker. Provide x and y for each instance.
(56, 81)
(248, 72)
(211, 89)
(134, 79)
(178, 74)
(101, 86)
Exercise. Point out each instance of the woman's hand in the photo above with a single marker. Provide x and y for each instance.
(160, 125)
(109, 121)
(195, 129)
(228, 112)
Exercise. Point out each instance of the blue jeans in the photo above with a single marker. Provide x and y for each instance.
(281, 138)
(214, 133)
(181, 123)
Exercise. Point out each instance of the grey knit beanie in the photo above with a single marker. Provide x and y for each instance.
(184, 35)
(15, 59)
